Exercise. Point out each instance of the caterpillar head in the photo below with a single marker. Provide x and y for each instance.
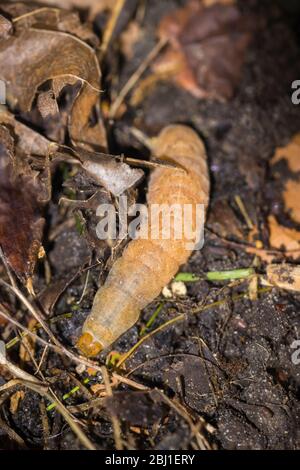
(88, 345)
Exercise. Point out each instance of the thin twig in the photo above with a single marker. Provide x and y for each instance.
(38, 386)
(135, 77)
(8, 270)
(114, 420)
(109, 30)
(11, 433)
(179, 318)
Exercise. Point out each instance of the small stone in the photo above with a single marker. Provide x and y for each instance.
(166, 292)
(178, 289)
(80, 369)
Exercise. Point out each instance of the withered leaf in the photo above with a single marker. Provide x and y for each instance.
(285, 276)
(6, 27)
(284, 237)
(223, 221)
(208, 45)
(47, 104)
(113, 175)
(291, 153)
(33, 56)
(21, 224)
(93, 6)
(26, 15)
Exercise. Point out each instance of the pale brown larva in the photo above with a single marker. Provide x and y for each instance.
(147, 265)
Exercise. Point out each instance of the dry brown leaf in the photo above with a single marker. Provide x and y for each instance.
(208, 45)
(290, 152)
(27, 345)
(129, 38)
(285, 276)
(113, 175)
(6, 28)
(21, 224)
(209, 3)
(93, 6)
(223, 221)
(291, 192)
(28, 141)
(69, 60)
(284, 237)
(15, 401)
(47, 104)
(28, 15)
(291, 199)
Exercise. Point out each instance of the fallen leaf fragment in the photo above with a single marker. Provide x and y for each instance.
(115, 176)
(284, 237)
(15, 401)
(291, 153)
(70, 61)
(208, 47)
(6, 27)
(285, 276)
(28, 141)
(209, 3)
(21, 224)
(27, 346)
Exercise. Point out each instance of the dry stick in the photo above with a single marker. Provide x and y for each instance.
(181, 411)
(38, 386)
(130, 383)
(244, 212)
(44, 353)
(58, 346)
(31, 309)
(114, 420)
(111, 27)
(9, 273)
(11, 433)
(136, 76)
(62, 351)
(73, 425)
(35, 12)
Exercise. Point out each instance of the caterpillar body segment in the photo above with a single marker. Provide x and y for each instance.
(147, 265)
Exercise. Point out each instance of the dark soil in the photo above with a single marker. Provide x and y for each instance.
(228, 367)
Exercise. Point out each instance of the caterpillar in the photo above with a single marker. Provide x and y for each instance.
(147, 265)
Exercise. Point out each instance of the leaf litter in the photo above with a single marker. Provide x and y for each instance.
(56, 144)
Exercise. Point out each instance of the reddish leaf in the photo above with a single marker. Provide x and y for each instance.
(21, 224)
(208, 47)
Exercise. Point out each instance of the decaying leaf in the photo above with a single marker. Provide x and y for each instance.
(284, 237)
(115, 176)
(15, 401)
(28, 141)
(27, 346)
(21, 194)
(223, 221)
(129, 38)
(47, 104)
(208, 47)
(28, 15)
(291, 192)
(93, 6)
(70, 60)
(6, 28)
(285, 276)
(209, 3)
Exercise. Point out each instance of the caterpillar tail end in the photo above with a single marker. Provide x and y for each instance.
(88, 346)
